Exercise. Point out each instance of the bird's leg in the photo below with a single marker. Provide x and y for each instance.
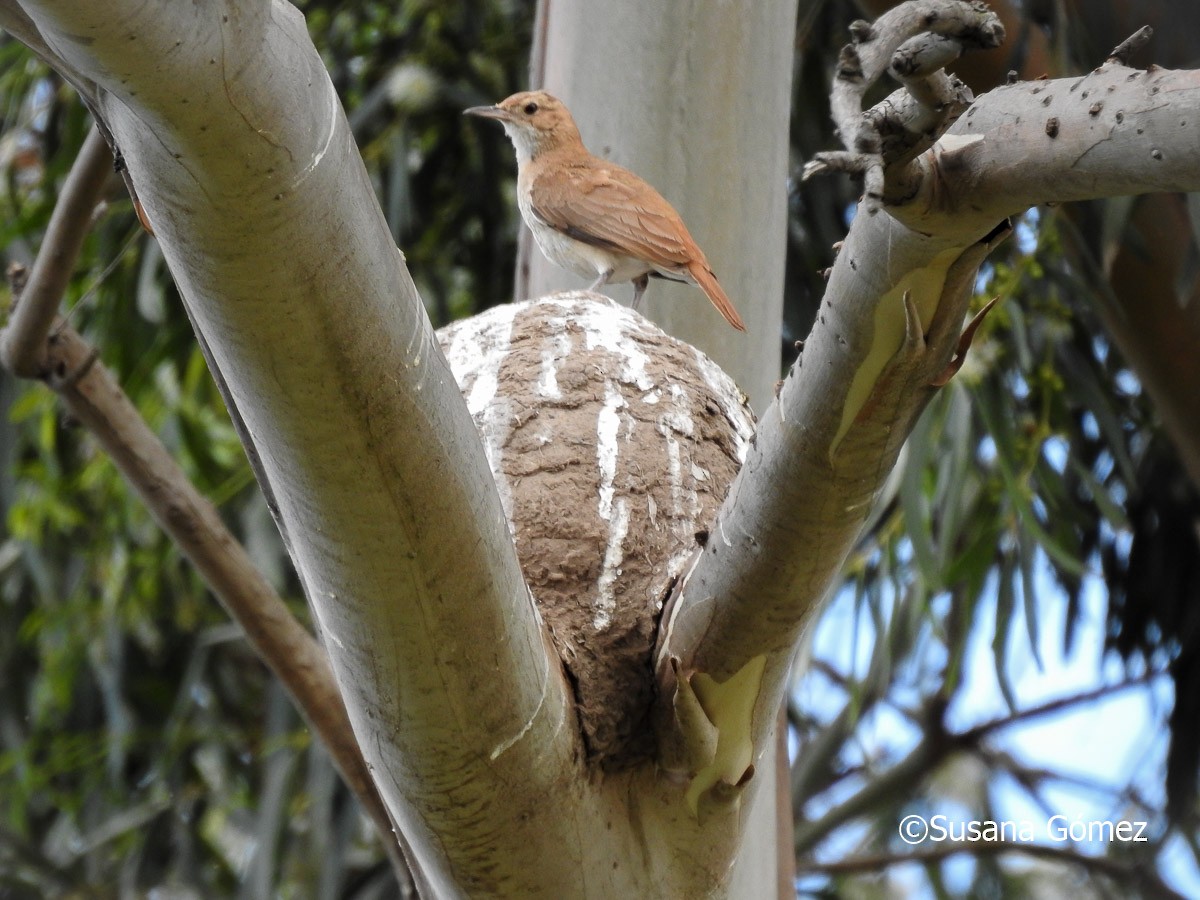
(602, 280)
(639, 288)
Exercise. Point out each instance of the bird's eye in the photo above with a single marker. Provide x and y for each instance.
(530, 108)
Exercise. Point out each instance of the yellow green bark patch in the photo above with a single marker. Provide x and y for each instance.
(729, 706)
(924, 286)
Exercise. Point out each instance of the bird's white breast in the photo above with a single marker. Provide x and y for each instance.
(582, 258)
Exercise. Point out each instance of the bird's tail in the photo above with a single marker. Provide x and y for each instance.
(713, 290)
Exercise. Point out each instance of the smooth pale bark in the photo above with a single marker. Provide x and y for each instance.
(695, 98)
(1112, 132)
(242, 158)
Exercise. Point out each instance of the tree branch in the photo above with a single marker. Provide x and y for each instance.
(1129, 46)
(977, 732)
(23, 340)
(913, 42)
(1113, 131)
(934, 747)
(889, 324)
(898, 779)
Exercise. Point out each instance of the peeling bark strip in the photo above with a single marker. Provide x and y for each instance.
(612, 444)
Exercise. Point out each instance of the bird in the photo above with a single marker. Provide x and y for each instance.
(592, 216)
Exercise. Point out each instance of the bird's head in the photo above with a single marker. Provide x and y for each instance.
(535, 121)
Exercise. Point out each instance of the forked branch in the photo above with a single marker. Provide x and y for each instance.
(913, 43)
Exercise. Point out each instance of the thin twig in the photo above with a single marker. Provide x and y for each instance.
(23, 341)
(974, 734)
(90, 293)
(1129, 46)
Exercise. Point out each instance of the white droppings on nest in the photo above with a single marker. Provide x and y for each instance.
(614, 328)
(614, 554)
(674, 470)
(552, 355)
(676, 417)
(544, 435)
(477, 349)
(676, 421)
(608, 429)
(678, 429)
(608, 451)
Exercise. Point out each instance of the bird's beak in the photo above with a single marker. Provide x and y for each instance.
(489, 112)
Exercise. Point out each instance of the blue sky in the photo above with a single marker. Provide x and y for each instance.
(1103, 746)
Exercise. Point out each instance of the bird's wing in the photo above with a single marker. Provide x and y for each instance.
(608, 206)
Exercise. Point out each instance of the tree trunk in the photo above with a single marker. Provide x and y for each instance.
(662, 89)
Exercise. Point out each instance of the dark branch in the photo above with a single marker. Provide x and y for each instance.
(1129, 46)
(931, 751)
(973, 735)
(23, 341)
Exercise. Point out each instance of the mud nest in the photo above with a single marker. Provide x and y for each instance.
(613, 445)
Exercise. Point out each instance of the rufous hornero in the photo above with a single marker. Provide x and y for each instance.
(592, 216)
